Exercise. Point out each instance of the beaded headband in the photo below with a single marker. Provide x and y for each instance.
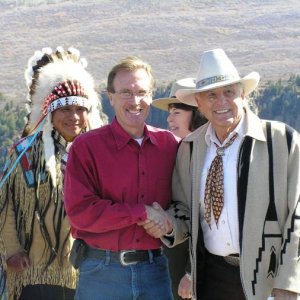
(66, 93)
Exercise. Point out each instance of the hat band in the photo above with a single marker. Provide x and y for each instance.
(71, 100)
(215, 79)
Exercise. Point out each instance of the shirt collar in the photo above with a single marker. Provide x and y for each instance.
(253, 128)
(59, 140)
(122, 138)
(240, 129)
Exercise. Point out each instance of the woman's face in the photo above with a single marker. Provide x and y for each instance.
(179, 121)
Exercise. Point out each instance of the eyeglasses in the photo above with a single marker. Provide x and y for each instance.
(127, 94)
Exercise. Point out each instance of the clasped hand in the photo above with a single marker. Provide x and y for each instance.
(158, 222)
(18, 262)
(280, 294)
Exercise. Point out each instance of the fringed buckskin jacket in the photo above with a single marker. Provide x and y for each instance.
(33, 218)
(268, 208)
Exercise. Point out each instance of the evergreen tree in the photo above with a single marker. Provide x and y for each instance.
(11, 127)
(278, 100)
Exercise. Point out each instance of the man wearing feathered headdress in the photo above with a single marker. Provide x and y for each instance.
(35, 232)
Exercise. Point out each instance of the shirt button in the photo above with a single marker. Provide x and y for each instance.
(137, 240)
(228, 244)
(223, 222)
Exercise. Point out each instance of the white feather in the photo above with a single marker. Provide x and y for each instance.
(47, 50)
(49, 149)
(30, 64)
(74, 51)
(60, 49)
(83, 62)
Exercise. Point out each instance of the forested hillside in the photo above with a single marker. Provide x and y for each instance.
(278, 100)
(281, 101)
(262, 36)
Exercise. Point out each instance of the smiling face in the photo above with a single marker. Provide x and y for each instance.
(70, 121)
(131, 100)
(223, 107)
(179, 121)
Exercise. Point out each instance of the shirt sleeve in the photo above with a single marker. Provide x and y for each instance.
(179, 209)
(9, 233)
(8, 228)
(87, 210)
(288, 276)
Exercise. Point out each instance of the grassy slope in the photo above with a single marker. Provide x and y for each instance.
(258, 35)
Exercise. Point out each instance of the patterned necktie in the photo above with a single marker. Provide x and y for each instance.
(214, 186)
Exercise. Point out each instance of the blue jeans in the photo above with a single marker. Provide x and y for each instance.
(103, 279)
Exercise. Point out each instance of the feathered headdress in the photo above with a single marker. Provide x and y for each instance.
(55, 79)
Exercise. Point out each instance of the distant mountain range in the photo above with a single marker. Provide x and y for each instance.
(258, 35)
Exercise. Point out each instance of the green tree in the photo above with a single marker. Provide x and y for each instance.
(11, 127)
(280, 100)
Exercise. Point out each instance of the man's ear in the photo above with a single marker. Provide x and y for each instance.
(242, 92)
(197, 98)
(243, 95)
(109, 94)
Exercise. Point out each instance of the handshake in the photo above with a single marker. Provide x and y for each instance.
(158, 222)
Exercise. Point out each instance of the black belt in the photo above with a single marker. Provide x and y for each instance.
(232, 259)
(125, 257)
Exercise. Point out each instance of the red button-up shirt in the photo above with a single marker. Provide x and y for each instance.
(110, 178)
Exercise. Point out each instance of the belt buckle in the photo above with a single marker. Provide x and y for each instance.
(122, 258)
(232, 260)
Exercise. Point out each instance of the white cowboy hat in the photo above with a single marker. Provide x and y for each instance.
(216, 70)
(163, 103)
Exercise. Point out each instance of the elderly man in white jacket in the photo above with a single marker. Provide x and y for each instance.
(236, 192)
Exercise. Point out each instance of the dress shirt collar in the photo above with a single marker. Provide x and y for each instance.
(254, 129)
(210, 136)
(122, 138)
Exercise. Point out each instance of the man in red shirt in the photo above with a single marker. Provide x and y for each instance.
(115, 177)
